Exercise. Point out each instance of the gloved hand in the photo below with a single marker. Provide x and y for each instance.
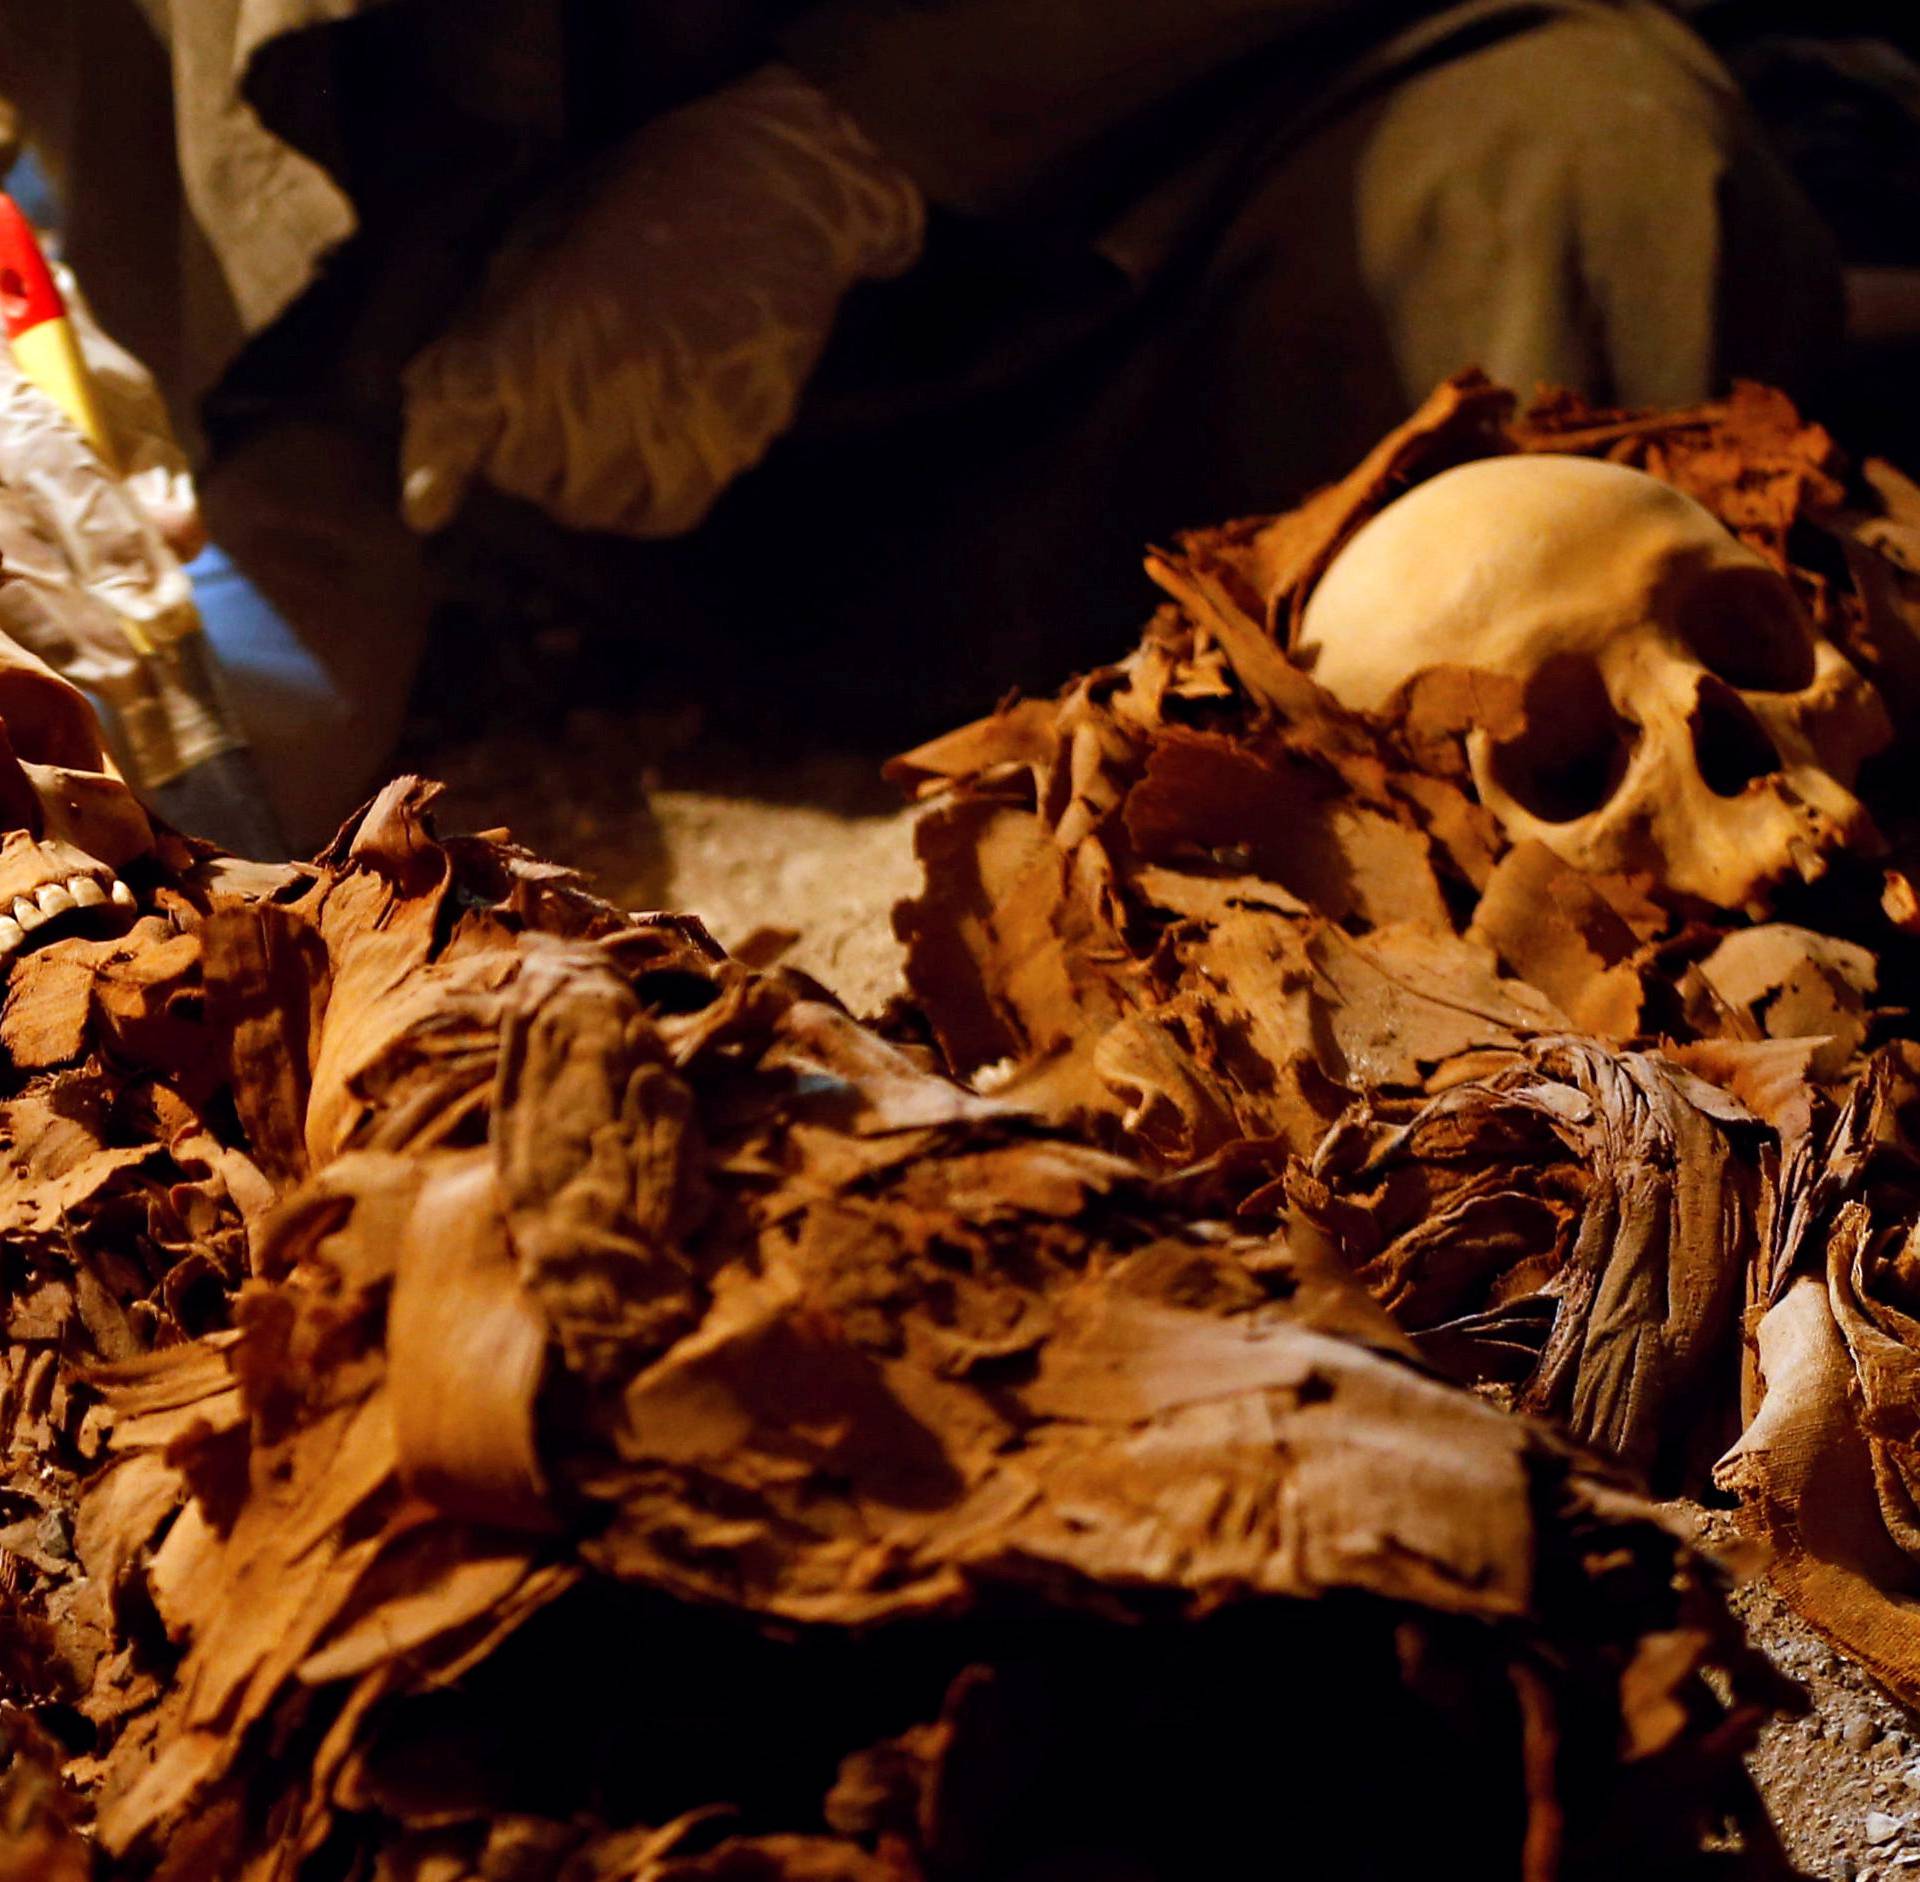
(152, 467)
(648, 342)
(90, 570)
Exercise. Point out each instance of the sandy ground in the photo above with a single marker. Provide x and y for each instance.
(1843, 1781)
(1842, 1778)
(821, 849)
(658, 818)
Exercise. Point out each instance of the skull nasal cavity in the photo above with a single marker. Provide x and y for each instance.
(1573, 753)
(1728, 742)
(1744, 625)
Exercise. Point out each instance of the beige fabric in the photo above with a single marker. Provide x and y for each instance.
(268, 212)
(186, 192)
(204, 146)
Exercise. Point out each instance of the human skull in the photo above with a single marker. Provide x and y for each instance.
(1683, 717)
(68, 823)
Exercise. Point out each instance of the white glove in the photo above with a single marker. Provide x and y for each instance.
(621, 367)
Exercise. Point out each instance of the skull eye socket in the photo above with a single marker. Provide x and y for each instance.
(1575, 750)
(1729, 744)
(1745, 627)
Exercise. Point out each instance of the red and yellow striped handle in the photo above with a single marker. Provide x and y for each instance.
(38, 330)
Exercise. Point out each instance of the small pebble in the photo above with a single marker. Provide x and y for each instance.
(1912, 1775)
(1859, 1732)
(1882, 1828)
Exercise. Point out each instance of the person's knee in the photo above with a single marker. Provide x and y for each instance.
(1587, 203)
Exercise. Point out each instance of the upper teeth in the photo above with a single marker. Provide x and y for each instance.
(55, 898)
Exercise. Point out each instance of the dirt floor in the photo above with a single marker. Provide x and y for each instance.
(1842, 1782)
(658, 814)
(1842, 1778)
(656, 817)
